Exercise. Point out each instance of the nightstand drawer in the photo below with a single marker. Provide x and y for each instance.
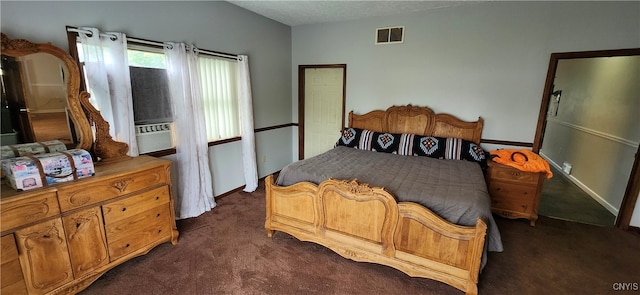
(512, 174)
(512, 204)
(506, 190)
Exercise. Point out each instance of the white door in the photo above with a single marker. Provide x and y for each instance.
(323, 108)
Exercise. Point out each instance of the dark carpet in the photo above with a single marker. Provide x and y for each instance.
(227, 251)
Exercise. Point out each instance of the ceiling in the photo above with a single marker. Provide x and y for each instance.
(303, 12)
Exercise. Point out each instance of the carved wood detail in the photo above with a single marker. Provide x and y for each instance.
(44, 256)
(104, 147)
(417, 120)
(457, 266)
(86, 240)
(34, 210)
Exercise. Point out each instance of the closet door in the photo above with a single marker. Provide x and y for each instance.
(323, 100)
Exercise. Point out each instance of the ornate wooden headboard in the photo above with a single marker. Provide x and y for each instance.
(417, 120)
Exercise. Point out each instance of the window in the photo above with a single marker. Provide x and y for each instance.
(219, 93)
(149, 87)
(218, 89)
(151, 97)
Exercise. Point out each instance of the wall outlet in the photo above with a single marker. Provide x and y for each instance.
(566, 167)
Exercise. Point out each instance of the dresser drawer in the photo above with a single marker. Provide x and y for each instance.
(28, 210)
(511, 174)
(11, 279)
(8, 249)
(123, 209)
(101, 189)
(130, 234)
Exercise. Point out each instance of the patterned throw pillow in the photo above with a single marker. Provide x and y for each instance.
(441, 148)
(460, 149)
(413, 145)
(350, 137)
(379, 142)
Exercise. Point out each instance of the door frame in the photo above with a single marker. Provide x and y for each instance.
(633, 185)
(301, 99)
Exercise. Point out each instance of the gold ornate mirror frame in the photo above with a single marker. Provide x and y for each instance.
(21, 47)
(82, 112)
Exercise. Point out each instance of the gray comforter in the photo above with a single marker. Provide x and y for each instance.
(453, 189)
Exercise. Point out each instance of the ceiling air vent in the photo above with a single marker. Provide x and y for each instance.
(390, 35)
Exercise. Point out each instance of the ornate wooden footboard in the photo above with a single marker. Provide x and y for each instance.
(366, 224)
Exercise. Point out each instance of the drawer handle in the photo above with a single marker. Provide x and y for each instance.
(126, 246)
(124, 209)
(157, 198)
(524, 207)
(158, 215)
(159, 230)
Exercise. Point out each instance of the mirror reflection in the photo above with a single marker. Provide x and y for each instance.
(34, 100)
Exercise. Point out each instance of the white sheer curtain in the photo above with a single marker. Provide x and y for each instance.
(194, 182)
(107, 71)
(245, 104)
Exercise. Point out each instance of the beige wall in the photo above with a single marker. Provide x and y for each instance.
(596, 128)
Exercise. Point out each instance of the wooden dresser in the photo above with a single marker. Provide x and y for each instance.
(514, 193)
(61, 238)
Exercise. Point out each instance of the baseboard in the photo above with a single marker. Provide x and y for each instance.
(582, 186)
(237, 189)
(634, 229)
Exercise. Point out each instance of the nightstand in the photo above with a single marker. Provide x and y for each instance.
(514, 193)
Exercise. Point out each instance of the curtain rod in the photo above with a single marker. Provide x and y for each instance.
(230, 56)
(154, 43)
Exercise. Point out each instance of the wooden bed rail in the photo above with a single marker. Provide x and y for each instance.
(366, 224)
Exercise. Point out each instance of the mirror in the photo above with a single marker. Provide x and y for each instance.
(547, 105)
(40, 95)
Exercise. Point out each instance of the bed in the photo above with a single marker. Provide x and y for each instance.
(324, 200)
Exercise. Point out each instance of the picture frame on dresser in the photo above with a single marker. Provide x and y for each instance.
(58, 239)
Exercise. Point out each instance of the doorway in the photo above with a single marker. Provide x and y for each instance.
(321, 100)
(569, 120)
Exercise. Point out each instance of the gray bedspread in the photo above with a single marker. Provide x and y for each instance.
(453, 189)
